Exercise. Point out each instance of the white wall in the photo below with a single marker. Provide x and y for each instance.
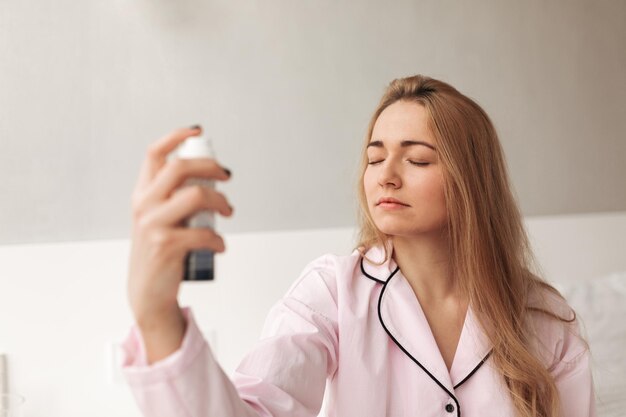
(286, 87)
(61, 304)
(573, 248)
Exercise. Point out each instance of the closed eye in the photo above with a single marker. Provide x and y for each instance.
(421, 164)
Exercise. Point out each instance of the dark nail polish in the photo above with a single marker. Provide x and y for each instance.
(227, 171)
(195, 127)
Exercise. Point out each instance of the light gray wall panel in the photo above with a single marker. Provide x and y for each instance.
(286, 89)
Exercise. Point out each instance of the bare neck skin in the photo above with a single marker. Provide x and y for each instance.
(425, 262)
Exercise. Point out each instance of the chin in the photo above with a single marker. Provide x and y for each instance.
(408, 231)
(395, 230)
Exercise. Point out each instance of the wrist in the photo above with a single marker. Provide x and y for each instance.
(163, 334)
(161, 320)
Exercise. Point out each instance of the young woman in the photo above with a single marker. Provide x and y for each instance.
(435, 313)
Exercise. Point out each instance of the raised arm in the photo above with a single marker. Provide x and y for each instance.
(283, 375)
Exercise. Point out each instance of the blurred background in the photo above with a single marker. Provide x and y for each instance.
(285, 89)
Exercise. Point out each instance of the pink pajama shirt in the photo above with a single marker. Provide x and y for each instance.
(356, 330)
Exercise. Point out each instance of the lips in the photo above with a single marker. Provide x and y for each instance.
(390, 200)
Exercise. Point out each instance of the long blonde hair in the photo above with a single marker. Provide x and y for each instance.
(490, 252)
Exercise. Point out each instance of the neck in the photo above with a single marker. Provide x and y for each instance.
(425, 262)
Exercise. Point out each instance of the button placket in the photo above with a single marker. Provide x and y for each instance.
(450, 408)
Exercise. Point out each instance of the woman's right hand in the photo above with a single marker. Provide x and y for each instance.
(160, 242)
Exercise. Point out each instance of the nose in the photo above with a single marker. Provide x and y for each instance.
(388, 175)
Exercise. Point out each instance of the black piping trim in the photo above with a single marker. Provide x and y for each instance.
(374, 278)
(473, 370)
(380, 317)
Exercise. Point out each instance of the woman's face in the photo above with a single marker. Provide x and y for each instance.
(403, 165)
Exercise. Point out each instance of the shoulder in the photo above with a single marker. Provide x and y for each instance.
(318, 283)
(554, 329)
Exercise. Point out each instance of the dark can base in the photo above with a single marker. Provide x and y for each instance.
(199, 266)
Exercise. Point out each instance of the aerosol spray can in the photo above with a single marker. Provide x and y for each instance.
(199, 264)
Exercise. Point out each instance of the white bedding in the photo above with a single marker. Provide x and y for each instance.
(601, 305)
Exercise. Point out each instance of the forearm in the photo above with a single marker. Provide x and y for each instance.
(162, 334)
(189, 382)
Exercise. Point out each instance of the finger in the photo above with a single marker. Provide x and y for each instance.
(175, 173)
(194, 239)
(157, 153)
(185, 203)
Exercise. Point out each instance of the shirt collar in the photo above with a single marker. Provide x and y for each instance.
(403, 319)
(380, 273)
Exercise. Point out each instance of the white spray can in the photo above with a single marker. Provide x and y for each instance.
(199, 265)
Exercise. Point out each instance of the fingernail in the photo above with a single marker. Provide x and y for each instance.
(227, 171)
(195, 127)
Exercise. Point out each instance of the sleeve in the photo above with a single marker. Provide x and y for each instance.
(283, 375)
(573, 376)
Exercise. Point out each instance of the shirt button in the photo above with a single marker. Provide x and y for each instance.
(449, 408)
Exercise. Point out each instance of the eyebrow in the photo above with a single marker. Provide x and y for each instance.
(403, 144)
